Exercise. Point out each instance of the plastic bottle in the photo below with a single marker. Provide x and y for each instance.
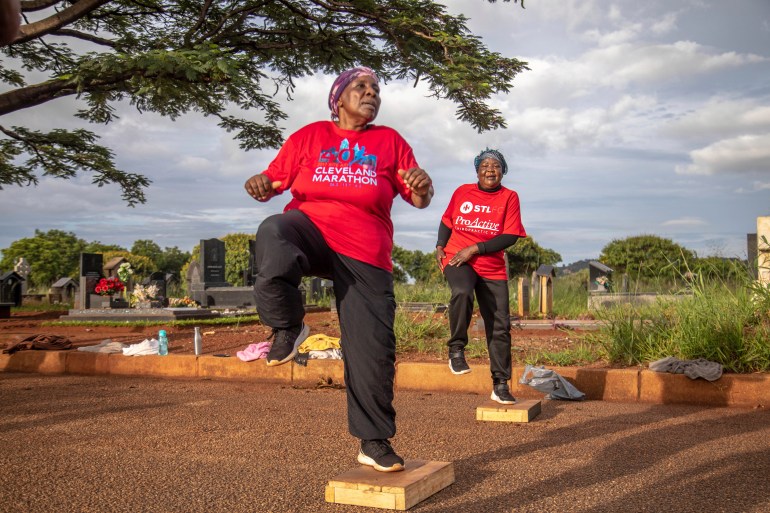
(162, 343)
(198, 341)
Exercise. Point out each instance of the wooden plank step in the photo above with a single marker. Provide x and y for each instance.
(364, 486)
(523, 411)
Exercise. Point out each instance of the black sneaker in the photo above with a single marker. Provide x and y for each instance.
(285, 343)
(501, 394)
(457, 363)
(380, 455)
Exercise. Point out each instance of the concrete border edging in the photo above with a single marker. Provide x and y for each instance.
(620, 385)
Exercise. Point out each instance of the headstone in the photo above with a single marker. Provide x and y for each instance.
(111, 268)
(523, 297)
(251, 272)
(599, 276)
(23, 269)
(10, 288)
(158, 279)
(546, 273)
(212, 259)
(751, 247)
(91, 265)
(763, 250)
(64, 290)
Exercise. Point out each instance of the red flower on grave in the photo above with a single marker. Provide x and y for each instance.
(109, 286)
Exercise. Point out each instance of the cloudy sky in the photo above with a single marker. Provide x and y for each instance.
(635, 118)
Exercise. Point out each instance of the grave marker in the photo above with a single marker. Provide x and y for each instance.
(23, 269)
(91, 265)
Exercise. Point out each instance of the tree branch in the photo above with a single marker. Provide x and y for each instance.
(84, 36)
(58, 20)
(37, 5)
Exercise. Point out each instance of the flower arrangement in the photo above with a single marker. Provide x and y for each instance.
(125, 271)
(109, 286)
(604, 282)
(142, 293)
(183, 302)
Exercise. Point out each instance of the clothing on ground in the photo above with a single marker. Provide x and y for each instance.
(693, 369)
(40, 342)
(551, 383)
(146, 347)
(105, 346)
(319, 342)
(254, 351)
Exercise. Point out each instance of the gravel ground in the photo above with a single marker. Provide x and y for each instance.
(102, 444)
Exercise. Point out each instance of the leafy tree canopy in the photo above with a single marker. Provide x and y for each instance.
(219, 58)
(414, 264)
(51, 255)
(646, 255)
(527, 255)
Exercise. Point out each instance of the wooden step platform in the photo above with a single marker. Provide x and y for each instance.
(364, 486)
(523, 411)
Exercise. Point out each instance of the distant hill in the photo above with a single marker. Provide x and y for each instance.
(574, 267)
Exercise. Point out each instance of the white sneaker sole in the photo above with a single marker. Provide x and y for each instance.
(501, 401)
(457, 373)
(304, 332)
(363, 459)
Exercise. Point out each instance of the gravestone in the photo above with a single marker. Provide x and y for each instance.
(23, 269)
(91, 265)
(212, 259)
(546, 274)
(210, 272)
(763, 250)
(10, 288)
(251, 272)
(751, 248)
(158, 279)
(64, 290)
(598, 272)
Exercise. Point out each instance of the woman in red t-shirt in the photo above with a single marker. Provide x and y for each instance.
(482, 219)
(343, 175)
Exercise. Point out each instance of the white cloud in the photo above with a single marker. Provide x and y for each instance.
(684, 222)
(722, 117)
(739, 154)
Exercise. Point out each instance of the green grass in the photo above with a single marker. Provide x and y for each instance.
(219, 321)
(582, 354)
(722, 322)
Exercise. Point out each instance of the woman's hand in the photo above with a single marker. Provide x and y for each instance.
(260, 187)
(463, 255)
(440, 257)
(418, 181)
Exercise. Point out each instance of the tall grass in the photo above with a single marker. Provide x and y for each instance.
(724, 322)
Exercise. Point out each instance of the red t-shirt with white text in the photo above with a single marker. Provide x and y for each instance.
(345, 182)
(475, 216)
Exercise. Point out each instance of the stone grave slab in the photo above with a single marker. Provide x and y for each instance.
(523, 411)
(364, 486)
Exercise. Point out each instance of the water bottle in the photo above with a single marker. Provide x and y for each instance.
(198, 341)
(162, 343)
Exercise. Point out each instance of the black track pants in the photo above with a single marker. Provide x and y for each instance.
(492, 296)
(289, 246)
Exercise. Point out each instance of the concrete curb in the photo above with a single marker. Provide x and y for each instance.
(621, 385)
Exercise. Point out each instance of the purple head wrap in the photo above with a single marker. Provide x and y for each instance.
(342, 81)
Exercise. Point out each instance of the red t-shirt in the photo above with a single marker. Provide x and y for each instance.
(345, 182)
(478, 216)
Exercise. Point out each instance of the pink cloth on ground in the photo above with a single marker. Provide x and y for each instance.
(254, 351)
